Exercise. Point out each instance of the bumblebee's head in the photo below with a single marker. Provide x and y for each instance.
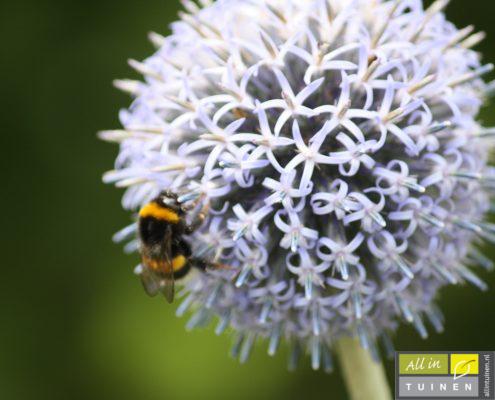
(169, 200)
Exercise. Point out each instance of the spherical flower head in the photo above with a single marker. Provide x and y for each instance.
(336, 146)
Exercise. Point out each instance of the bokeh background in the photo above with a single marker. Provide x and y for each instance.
(74, 321)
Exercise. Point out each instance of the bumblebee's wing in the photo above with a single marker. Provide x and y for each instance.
(167, 285)
(151, 283)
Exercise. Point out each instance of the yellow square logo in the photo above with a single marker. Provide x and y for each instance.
(464, 364)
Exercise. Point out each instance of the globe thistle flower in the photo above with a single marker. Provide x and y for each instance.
(336, 145)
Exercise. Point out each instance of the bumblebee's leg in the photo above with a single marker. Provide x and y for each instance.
(203, 265)
(198, 263)
(197, 220)
(220, 266)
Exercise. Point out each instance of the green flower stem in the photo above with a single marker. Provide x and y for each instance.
(365, 378)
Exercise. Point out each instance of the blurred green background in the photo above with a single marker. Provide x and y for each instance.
(75, 323)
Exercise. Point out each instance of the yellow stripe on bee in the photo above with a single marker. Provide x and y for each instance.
(156, 211)
(178, 263)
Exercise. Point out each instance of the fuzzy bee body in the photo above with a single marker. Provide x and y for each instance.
(165, 255)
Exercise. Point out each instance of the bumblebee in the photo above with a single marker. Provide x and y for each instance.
(165, 255)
